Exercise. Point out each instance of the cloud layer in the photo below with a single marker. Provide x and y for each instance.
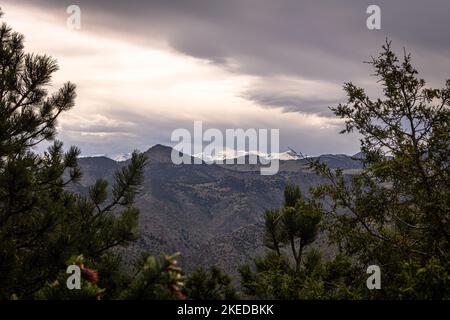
(144, 68)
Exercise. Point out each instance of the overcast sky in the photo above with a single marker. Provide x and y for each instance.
(145, 68)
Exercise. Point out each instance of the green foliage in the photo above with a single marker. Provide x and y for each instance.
(273, 233)
(272, 277)
(299, 221)
(57, 290)
(212, 284)
(42, 224)
(159, 278)
(292, 194)
(395, 213)
(288, 230)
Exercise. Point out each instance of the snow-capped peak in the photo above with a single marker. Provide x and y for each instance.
(121, 157)
(92, 156)
(231, 154)
(287, 155)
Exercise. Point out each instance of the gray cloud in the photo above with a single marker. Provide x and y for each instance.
(293, 103)
(309, 39)
(272, 36)
(314, 39)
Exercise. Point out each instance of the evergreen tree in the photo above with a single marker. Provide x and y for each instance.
(288, 231)
(212, 284)
(157, 278)
(395, 213)
(42, 224)
(300, 222)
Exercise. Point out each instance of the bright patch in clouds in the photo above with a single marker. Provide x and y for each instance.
(132, 96)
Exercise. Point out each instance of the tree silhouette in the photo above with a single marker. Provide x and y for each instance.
(395, 213)
(42, 224)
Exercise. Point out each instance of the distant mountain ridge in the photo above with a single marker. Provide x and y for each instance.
(212, 214)
(223, 156)
(287, 155)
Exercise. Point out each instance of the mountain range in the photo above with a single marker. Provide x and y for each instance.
(221, 156)
(212, 214)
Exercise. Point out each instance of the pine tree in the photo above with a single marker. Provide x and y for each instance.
(158, 278)
(300, 222)
(42, 224)
(395, 213)
(212, 284)
(288, 231)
